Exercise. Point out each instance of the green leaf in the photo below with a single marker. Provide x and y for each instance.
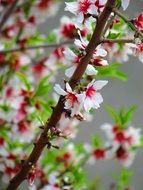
(51, 37)
(24, 79)
(113, 35)
(111, 70)
(43, 87)
(113, 114)
(96, 141)
(129, 114)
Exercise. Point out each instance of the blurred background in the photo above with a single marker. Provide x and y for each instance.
(118, 94)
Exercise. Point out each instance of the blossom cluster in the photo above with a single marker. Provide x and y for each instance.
(122, 143)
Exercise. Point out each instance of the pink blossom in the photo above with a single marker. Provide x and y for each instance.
(73, 100)
(93, 98)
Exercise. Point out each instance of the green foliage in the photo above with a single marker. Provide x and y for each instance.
(121, 117)
(24, 80)
(124, 179)
(43, 87)
(97, 141)
(113, 35)
(111, 70)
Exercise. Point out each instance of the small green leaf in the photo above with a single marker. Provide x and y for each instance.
(24, 79)
(43, 87)
(111, 70)
(129, 114)
(96, 141)
(113, 114)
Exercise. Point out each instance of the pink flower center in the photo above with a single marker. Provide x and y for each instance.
(59, 52)
(99, 153)
(90, 91)
(120, 137)
(72, 97)
(84, 6)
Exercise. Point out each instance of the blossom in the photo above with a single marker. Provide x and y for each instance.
(81, 8)
(71, 56)
(139, 22)
(82, 44)
(73, 101)
(93, 99)
(121, 142)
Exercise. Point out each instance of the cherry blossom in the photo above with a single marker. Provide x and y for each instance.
(71, 56)
(81, 8)
(122, 142)
(93, 98)
(73, 100)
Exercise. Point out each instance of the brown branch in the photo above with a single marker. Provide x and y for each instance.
(120, 41)
(7, 14)
(56, 115)
(25, 48)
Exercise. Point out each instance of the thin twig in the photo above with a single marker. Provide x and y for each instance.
(58, 110)
(109, 23)
(120, 41)
(25, 48)
(130, 24)
(7, 14)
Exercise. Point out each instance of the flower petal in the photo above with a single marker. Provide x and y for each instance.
(59, 90)
(69, 72)
(100, 84)
(90, 70)
(125, 4)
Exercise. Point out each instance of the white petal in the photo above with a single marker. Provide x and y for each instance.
(59, 90)
(88, 104)
(78, 43)
(100, 51)
(69, 72)
(93, 10)
(68, 88)
(90, 70)
(104, 62)
(125, 4)
(98, 98)
(100, 84)
(80, 18)
(72, 7)
(141, 57)
(69, 54)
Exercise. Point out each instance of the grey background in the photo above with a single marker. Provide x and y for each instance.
(117, 93)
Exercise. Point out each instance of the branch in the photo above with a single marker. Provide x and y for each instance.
(7, 14)
(109, 23)
(120, 41)
(130, 24)
(52, 45)
(57, 112)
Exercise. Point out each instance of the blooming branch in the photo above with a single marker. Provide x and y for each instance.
(58, 110)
